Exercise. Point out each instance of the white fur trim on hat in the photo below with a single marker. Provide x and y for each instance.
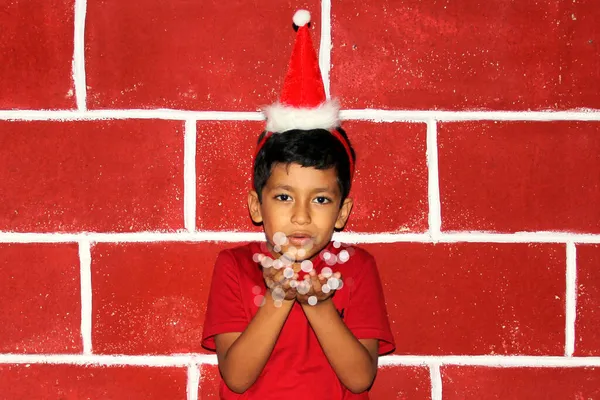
(281, 118)
(301, 18)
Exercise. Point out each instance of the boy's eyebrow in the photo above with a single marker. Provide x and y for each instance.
(284, 187)
(291, 189)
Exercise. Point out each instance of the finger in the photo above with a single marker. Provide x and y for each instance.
(316, 283)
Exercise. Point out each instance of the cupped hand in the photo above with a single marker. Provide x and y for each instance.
(279, 284)
(317, 286)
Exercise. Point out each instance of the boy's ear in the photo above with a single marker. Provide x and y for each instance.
(344, 213)
(254, 207)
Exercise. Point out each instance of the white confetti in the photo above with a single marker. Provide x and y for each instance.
(344, 256)
(303, 287)
(259, 300)
(288, 273)
(326, 272)
(333, 283)
(312, 300)
(306, 266)
(280, 238)
(278, 293)
(277, 264)
(325, 288)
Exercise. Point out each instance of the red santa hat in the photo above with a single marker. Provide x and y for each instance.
(303, 104)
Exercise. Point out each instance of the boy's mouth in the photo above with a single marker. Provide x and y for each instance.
(300, 239)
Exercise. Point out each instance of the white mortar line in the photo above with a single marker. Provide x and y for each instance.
(366, 115)
(189, 176)
(519, 237)
(347, 237)
(425, 115)
(178, 115)
(85, 277)
(184, 360)
(79, 78)
(193, 383)
(570, 299)
(436, 381)
(492, 361)
(110, 360)
(325, 45)
(433, 188)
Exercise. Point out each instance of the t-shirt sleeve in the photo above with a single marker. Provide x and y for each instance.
(225, 312)
(366, 316)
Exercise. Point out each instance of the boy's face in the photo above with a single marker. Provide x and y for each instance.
(300, 209)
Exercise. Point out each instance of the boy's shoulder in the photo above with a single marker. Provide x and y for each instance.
(355, 253)
(240, 253)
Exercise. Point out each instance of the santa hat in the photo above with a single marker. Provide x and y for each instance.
(303, 104)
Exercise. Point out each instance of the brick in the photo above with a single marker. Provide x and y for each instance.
(40, 300)
(588, 301)
(520, 176)
(37, 51)
(440, 55)
(204, 55)
(401, 383)
(390, 185)
(474, 298)
(73, 382)
(224, 171)
(91, 176)
(466, 383)
(150, 298)
(210, 381)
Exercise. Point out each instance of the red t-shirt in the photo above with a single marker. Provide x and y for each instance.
(297, 367)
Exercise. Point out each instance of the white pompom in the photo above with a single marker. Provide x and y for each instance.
(301, 18)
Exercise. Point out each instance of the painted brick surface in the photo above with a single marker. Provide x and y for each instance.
(466, 383)
(520, 176)
(587, 342)
(224, 169)
(150, 298)
(209, 383)
(401, 383)
(36, 52)
(91, 176)
(188, 55)
(72, 382)
(475, 298)
(111, 173)
(390, 188)
(40, 300)
(460, 55)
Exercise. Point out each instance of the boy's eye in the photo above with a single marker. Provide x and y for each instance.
(283, 197)
(322, 200)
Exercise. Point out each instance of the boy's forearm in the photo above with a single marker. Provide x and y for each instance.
(248, 355)
(350, 360)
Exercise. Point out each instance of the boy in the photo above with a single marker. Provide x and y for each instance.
(283, 323)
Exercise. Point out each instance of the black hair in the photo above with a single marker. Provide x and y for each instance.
(316, 148)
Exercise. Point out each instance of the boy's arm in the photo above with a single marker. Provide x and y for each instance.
(242, 356)
(354, 361)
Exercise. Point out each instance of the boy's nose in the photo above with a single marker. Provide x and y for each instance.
(301, 215)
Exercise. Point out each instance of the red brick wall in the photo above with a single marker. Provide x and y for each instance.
(126, 135)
